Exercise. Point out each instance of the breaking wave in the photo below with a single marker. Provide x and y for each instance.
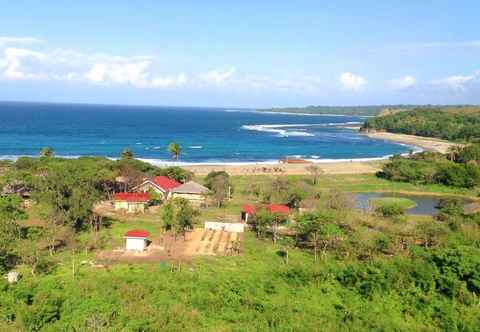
(281, 131)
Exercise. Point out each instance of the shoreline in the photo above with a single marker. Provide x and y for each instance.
(426, 143)
(327, 166)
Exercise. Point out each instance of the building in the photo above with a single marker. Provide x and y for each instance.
(131, 202)
(249, 210)
(161, 185)
(136, 240)
(193, 192)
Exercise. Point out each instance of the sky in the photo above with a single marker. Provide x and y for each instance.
(241, 53)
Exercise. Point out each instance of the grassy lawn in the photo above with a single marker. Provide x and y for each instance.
(357, 183)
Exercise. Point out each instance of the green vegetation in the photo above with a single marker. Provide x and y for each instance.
(332, 268)
(403, 202)
(461, 171)
(456, 124)
(175, 150)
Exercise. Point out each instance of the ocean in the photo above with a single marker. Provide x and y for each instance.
(206, 135)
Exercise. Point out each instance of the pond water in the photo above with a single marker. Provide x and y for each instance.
(426, 205)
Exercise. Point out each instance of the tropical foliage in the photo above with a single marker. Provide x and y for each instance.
(447, 123)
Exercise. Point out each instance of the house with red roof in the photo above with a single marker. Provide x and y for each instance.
(131, 202)
(161, 185)
(249, 210)
(136, 240)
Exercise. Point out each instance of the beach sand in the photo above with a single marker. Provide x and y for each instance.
(354, 167)
(340, 167)
(426, 143)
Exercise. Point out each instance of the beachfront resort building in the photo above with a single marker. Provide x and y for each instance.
(249, 210)
(193, 192)
(131, 202)
(161, 185)
(136, 240)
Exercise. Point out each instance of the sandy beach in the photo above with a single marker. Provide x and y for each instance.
(353, 167)
(426, 143)
(330, 167)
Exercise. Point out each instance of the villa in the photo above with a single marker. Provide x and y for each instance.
(131, 202)
(162, 185)
(193, 192)
(249, 210)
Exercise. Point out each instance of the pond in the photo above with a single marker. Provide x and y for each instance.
(426, 205)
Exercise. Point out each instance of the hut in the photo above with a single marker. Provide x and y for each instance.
(161, 185)
(193, 192)
(136, 240)
(131, 202)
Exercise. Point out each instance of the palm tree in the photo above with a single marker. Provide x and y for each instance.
(175, 150)
(127, 154)
(47, 152)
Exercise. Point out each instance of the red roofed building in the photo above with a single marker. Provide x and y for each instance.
(131, 202)
(160, 184)
(136, 240)
(250, 210)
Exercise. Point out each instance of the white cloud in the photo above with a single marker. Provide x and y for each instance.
(458, 83)
(403, 82)
(352, 82)
(219, 77)
(170, 81)
(137, 74)
(121, 73)
(5, 40)
(13, 63)
(468, 44)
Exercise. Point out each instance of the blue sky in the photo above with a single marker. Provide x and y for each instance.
(242, 53)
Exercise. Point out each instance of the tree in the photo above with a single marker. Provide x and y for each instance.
(453, 151)
(69, 191)
(185, 216)
(47, 152)
(266, 221)
(168, 216)
(263, 221)
(10, 213)
(219, 184)
(127, 154)
(175, 150)
(319, 230)
(315, 171)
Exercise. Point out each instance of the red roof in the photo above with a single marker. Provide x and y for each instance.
(165, 182)
(132, 197)
(272, 208)
(137, 233)
(277, 208)
(248, 208)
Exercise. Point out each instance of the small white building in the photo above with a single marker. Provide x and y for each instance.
(136, 240)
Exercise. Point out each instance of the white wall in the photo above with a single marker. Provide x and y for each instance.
(135, 243)
(225, 226)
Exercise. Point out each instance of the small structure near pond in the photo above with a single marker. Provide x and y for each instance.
(136, 240)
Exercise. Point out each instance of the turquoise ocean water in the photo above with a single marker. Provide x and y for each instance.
(207, 135)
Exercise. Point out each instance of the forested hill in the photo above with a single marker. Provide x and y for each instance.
(455, 123)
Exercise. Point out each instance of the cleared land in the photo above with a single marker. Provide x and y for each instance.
(350, 167)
